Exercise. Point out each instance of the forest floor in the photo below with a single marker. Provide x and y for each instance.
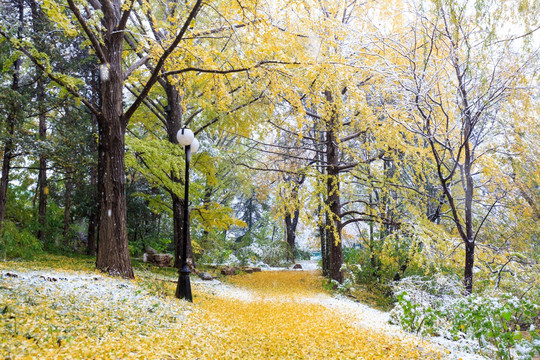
(63, 309)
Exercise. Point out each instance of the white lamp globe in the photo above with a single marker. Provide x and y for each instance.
(194, 145)
(185, 137)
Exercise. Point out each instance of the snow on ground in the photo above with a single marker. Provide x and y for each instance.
(358, 314)
(364, 316)
(219, 289)
(91, 288)
(91, 291)
(307, 265)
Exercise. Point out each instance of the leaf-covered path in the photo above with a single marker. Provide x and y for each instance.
(268, 315)
(284, 315)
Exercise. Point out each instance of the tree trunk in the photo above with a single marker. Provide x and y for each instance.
(388, 198)
(178, 216)
(291, 222)
(9, 145)
(113, 252)
(6, 166)
(333, 198)
(291, 219)
(67, 211)
(469, 265)
(325, 257)
(207, 199)
(469, 195)
(373, 258)
(334, 233)
(174, 115)
(91, 234)
(43, 191)
(38, 24)
(92, 215)
(94, 206)
(174, 121)
(323, 223)
(42, 175)
(289, 236)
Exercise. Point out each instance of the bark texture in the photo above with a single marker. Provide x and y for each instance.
(113, 252)
(291, 222)
(333, 198)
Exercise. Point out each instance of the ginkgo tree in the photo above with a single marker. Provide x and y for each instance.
(213, 92)
(446, 82)
(323, 111)
(104, 24)
(116, 38)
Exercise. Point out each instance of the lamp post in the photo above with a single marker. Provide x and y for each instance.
(186, 138)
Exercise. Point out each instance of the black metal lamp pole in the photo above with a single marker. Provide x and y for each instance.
(183, 288)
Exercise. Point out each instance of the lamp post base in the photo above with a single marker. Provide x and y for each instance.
(183, 289)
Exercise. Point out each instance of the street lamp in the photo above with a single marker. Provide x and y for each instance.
(183, 289)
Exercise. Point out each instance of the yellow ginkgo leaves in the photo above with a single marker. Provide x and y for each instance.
(54, 314)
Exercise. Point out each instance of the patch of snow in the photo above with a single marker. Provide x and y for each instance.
(273, 268)
(95, 292)
(309, 265)
(219, 289)
(231, 260)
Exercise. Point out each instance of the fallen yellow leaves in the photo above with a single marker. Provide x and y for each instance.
(87, 316)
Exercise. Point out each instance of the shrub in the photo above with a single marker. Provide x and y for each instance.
(275, 253)
(436, 307)
(15, 243)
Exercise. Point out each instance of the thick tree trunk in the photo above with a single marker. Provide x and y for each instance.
(113, 252)
(333, 198)
(291, 219)
(174, 121)
(322, 222)
(334, 233)
(94, 206)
